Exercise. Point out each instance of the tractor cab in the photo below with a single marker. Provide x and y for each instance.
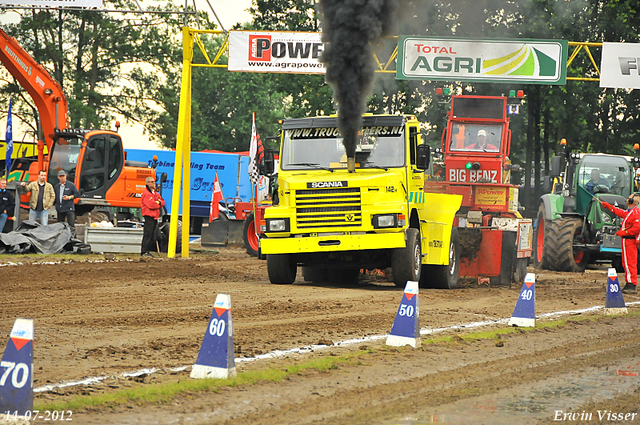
(607, 178)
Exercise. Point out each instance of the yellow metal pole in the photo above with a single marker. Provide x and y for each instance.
(184, 116)
(186, 193)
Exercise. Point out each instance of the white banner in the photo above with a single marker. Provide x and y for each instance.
(290, 52)
(54, 3)
(620, 65)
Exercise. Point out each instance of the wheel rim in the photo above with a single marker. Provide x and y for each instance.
(540, 239)
(251, 235)
(417, 263)
(452, 259)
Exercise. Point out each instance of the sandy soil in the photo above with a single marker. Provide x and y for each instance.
(102, 318)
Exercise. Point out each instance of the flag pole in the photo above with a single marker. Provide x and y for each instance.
(255, 187)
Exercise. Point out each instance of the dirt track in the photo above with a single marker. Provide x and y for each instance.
(95, 319)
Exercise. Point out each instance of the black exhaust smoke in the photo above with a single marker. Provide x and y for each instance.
(348, 28)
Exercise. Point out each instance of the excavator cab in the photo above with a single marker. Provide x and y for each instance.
(93, 161)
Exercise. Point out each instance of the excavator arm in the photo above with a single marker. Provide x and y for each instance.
(43, 89)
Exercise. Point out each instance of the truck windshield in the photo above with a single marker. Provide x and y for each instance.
(475, 137)
(64, 156)
(322, 148)
(605, 174)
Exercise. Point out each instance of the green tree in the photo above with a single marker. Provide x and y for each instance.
(107, 64)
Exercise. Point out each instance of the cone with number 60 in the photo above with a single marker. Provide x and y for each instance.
(216, 358)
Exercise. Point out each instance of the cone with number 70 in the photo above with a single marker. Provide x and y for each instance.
(216, 358)
(16, 373)
(615, 301)
(524, 315)
(406, 326)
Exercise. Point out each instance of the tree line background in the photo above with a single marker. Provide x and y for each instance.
(130, 65)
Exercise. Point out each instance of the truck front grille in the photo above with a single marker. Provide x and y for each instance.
(338, 207)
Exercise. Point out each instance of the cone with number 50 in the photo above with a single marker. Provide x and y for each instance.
(216, 358)
(524, 314)
(406, 326)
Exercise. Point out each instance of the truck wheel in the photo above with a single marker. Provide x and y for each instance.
(444, 277)
(520, 269)
(563, 232)
(249, 236)
(343, 276)
(281, 268)
(314, 274)
(540, 237)
(163, 242)
(407, 262)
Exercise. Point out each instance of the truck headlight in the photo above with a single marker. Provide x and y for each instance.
(278, 225)
(605, 217)
(385, 220)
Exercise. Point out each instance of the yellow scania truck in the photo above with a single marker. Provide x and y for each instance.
(334, 222)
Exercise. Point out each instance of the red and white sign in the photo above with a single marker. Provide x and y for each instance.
(261, 51)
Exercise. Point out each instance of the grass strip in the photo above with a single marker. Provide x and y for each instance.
(166, 392)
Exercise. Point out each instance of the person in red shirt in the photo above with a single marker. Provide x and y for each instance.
(630, 233)
(152, 203)
(482, 143)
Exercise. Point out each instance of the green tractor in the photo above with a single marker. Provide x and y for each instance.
(572, 229)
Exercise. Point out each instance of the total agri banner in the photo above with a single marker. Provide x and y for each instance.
(289, 52)
(482, 60)
(620, 65)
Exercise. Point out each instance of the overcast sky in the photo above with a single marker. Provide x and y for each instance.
(230, 12)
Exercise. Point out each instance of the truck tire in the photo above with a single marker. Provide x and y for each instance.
(407, 262)
(347, 276)
(540, 236)
(520, 270)
(562, 234)
(163, 242)
(249, 237)
(281, 269)
(314, 274)
(444, 277)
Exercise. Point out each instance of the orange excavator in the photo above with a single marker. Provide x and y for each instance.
(95, 160)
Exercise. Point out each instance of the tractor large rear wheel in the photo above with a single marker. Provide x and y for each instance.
(249, 236)
(563, 233)
(540, 235)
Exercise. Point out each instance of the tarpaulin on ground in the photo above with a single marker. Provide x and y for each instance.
(32, 237)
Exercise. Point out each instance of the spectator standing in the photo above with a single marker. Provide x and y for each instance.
(66, 192)
(7, 203)
(42, 198)
(152, 203)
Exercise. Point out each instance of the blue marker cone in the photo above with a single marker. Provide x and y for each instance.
(615, 301)
(406, 326)
(16, 373)
(216, 358)
(524, 314)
